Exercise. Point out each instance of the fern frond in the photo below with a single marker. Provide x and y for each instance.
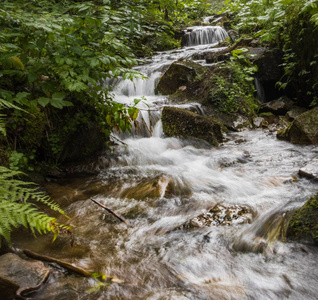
(2, 124)
(16, 211)
(6, 104)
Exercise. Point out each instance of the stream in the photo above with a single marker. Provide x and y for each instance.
(204, 222)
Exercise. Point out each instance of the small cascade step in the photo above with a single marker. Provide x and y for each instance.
(203, 35)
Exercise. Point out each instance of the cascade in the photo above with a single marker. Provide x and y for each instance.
(203, 35)
(162, 187)
(260, 91)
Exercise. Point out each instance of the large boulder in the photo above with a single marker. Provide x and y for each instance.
(179, 74)
(269, 72)
(17, 275)
(181, 122)
(303, 130)
(279, 106)
(269, 65)
(303, 224)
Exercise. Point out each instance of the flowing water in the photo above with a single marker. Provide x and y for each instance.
(204, 222)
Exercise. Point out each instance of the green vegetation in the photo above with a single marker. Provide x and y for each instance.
(180, 122)
(16, 208)
(55, 57)
(292, 26)
(234, 91)
(304, 222)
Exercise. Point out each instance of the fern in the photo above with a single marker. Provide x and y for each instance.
(6, 104)
(15, 210)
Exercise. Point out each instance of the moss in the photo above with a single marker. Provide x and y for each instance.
(180, 73)
(303, 130)
(283, 134)
(180, 122)
(304, 222)
(266, 114)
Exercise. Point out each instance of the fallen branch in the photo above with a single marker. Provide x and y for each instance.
(62, 263)
(68, 266)
(110, 211)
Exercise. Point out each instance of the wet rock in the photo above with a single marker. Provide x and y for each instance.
(311, 170)
(260, 122)
(221, 19)
(269, 117)
(240, 123)
(146, 188)
(269, 65)
(303, 130)
(254, 53)
(8, 288)
(256, 42)
(225, 54)
(216, 57)
(181, 122)
(279, 106)
(303, 225)
(221, 215)
(233, 121)
(180, 73)
(269, 72)
(16, 272)
(234, 35)
(292, 114)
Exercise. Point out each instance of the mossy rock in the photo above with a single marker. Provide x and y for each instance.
(183, 123)
(303, 225)
(180, 73)
(279, 106)
(304, 129)
(269, 117)
(269, 65)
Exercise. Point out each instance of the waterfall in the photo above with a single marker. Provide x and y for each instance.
(137, 87)
(260, 91)
(203, 35)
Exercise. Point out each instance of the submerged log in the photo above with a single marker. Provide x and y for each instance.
(62, 263)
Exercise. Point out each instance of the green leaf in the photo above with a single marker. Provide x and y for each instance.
(76, 86)
(286, 2)
(32, 77)
(40, 44)
(58, 96)
(60, 103)
(136, 101)
(94, 62)
(109, 120)
(43, 101)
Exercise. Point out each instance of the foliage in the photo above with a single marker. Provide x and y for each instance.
(54, 57)
(16, 209)
(291, 25)
(234, 90)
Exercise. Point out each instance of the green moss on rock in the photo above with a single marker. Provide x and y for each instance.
(180, 73)
(303, 224)
(181, 122)
(303, 130)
